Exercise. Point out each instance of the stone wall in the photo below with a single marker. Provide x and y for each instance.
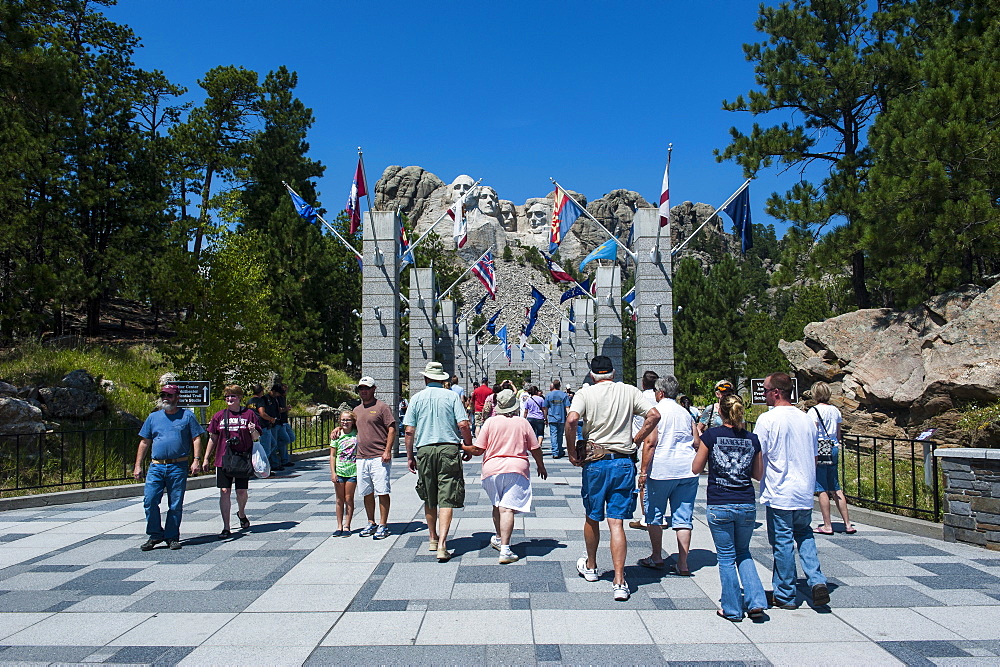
(972, 496)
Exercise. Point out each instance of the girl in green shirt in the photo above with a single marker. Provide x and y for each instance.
(344, 470)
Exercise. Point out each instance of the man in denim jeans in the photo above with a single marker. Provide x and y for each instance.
(606, 408)
(788, 445)
(170, 433)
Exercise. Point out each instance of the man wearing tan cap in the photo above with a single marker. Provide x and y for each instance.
(437, 427)
(376, 436)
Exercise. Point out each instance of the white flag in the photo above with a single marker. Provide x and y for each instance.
(665, 197)
(460, 229)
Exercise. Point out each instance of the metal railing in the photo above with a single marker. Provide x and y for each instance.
(895, 475)
(81, 459)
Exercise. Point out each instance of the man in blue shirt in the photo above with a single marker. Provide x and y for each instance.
(437, 426)
(556, 401)
(170, 432)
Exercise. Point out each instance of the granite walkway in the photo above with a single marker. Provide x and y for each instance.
(75, 588)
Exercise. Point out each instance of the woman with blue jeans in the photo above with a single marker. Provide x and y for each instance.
(733, 457)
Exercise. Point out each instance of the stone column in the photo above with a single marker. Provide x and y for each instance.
(380, 304)
(609, 316)
(421, 325)
(971, 511)
(566, 351)
(654, 297)
(445, 339)
(584, 340)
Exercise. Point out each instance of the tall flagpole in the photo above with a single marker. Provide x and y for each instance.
(596, 221)
(724, 205)
(328, 225)
(659, 228)
(440, 218)
(469, 268)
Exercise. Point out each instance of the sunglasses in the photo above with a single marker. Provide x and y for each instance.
(163, 394)
(228, 396)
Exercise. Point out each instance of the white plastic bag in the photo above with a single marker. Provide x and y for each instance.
(261, 466)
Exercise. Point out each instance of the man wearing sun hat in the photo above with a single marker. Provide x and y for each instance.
(170, 432)
(376, 437)
(437, 427)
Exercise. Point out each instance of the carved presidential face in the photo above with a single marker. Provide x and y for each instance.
(460, 187)
(538, 217)
(487, 202)
(508, 216)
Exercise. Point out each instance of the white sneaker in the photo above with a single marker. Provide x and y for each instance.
(585, 572)
(621, 592)
(509, 557)
(495, 542)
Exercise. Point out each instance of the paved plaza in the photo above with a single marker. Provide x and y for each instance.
(75, 588)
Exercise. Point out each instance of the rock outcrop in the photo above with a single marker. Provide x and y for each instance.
(19, 417)
(913, 365)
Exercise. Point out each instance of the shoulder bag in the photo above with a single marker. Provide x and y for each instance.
(824, 443)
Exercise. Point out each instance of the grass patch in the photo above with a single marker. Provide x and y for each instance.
(872, 477)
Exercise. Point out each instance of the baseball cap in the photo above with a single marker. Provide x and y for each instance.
(723, 385)
(170, 389)
(366, 381)
(601, 364)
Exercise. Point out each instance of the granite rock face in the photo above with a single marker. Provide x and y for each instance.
(921, 360)
(69, 402)
(405, 187)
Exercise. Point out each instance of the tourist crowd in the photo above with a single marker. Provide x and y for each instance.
(635, 446)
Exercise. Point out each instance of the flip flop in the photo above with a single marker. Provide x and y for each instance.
(651, 564)
(679, 573)
(718, 612)
(851, 531)
(820, 531)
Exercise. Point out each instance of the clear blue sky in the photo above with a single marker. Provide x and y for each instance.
(589, 93)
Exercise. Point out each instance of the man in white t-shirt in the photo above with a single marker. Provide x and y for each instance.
(788, 444)
(606, 408)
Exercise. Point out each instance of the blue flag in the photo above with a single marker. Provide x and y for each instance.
(533, 313)
(491, 325)
(302, 208)
(572, 319)
(581, 289)
(479, 306)
(607, 250)
(502, 335)
(739, 211)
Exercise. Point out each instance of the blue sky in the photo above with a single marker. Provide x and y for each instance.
(589, 93)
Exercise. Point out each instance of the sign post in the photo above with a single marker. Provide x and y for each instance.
(195, 394)
(757, 391)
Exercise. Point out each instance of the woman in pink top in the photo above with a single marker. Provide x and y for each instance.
(505, 441)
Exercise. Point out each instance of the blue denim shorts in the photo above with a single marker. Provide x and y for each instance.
(609, 489)
(680, 493)
(827, 479)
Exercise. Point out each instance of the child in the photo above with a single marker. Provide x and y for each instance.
(344, 470)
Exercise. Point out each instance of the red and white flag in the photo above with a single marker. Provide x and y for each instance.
(484, 270)
(358, 190)
(557, 272)
(460, 230)
(665, 197)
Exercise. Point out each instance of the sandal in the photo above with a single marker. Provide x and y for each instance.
(225, 533)
(718, 612)
(679, 573)
(244, 521)
(651, 564)
(851, 530)
(820, 531)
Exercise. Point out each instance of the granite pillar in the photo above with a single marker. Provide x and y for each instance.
(422, 291)
(380, 304)
(609, 316)
(654, 299)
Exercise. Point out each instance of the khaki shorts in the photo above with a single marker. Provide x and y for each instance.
(440, 476)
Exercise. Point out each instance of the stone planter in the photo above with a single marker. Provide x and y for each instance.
(972, 495)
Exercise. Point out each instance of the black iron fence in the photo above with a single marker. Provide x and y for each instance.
(81, 459)
(895, 475)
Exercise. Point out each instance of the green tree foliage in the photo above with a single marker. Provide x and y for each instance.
(935, 175)
(230, 337)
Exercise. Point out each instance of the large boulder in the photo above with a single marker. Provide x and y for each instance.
(406, 188)
(922, 360)
(70, 402)
(7, 388)
(80, 379)
(19, 417)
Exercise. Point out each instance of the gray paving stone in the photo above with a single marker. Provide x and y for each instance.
(46, 654)
(470, 604)
(36, 600)
(610, 654)
(150, 655)
(398, 655)
(195, 601)
(601, 599)
(919, 652)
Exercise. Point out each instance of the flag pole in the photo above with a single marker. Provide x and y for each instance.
(596, 221)
(328, 225)
(724, 205)
(431, 228)
(469, 268)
